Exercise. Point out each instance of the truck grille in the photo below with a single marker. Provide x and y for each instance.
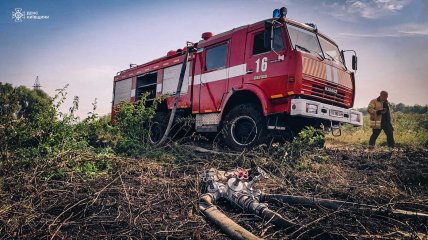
(319, 91)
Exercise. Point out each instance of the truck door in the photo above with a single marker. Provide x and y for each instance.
(265, 68)
(213, 78)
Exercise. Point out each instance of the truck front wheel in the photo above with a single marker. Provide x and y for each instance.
(243, 127)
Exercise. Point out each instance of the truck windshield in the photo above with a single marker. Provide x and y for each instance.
(304, 40)
(330, 50)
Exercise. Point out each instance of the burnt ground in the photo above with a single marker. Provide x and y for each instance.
(157, 197)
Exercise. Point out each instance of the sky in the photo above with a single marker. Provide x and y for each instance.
(85, 43)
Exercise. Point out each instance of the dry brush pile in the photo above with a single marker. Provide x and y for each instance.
(157, 198)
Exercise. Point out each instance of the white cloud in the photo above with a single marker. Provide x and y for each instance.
(404, 30)
(414, 30)
(351, 10)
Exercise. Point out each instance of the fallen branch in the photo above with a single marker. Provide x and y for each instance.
(204, 150)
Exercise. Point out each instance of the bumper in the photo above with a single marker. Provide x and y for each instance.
(314, 109)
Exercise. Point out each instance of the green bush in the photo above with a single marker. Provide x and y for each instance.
(32, 128)
(132, 123)
(34, 132)
(92, 168)
(306, 141)
(28, 122)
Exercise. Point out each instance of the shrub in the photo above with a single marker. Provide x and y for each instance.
(33, 129)
(27, 121)
(306, 141)
(132, 124)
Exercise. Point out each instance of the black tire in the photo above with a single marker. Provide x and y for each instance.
(157, 127)
(243, 127)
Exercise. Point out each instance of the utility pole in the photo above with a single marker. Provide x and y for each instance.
(37, 84)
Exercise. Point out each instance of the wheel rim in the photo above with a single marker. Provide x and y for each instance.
(155, 133)
(243, 130)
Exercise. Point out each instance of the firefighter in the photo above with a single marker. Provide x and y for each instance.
(381, 119)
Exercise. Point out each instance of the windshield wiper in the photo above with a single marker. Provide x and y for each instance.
(302, 48)
(330, 57)
(309, 51)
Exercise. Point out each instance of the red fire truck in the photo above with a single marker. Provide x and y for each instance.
(276, 74)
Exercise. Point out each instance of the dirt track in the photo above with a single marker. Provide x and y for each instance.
(147, 199)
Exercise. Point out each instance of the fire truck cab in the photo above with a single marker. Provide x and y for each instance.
(277, 74)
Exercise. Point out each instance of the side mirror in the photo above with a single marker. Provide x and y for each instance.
(268, 36)
(354, 62)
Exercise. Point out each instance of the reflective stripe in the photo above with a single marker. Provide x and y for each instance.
(238, 70)
(332, 74)
(329, 76)
(375, 123)
(221, 74)
(335, 76)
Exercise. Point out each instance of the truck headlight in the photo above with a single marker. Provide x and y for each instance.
(311, 108)
(355, 117)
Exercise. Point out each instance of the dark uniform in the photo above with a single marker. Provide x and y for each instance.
(381, 113)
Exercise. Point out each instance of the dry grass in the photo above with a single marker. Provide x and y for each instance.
(157, 198)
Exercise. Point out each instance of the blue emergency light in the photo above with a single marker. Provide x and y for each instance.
(279, 13)
(276, 13)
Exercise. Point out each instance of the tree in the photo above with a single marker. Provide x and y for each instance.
(25, 118)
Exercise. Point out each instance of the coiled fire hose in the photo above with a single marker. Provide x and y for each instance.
(240, 192)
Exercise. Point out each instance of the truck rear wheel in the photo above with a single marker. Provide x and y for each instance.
(243, 127)
(157, 127)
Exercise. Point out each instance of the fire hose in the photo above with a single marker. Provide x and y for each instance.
(336, 204)
(230, 227)
(239, 190)
(189, 48)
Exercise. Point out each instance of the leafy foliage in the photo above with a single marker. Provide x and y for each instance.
(306, 141)
(411, 109)
(32, 128)
(403, 108)
(132, 122)
(28, 122)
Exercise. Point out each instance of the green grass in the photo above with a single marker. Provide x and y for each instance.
(410, 129)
